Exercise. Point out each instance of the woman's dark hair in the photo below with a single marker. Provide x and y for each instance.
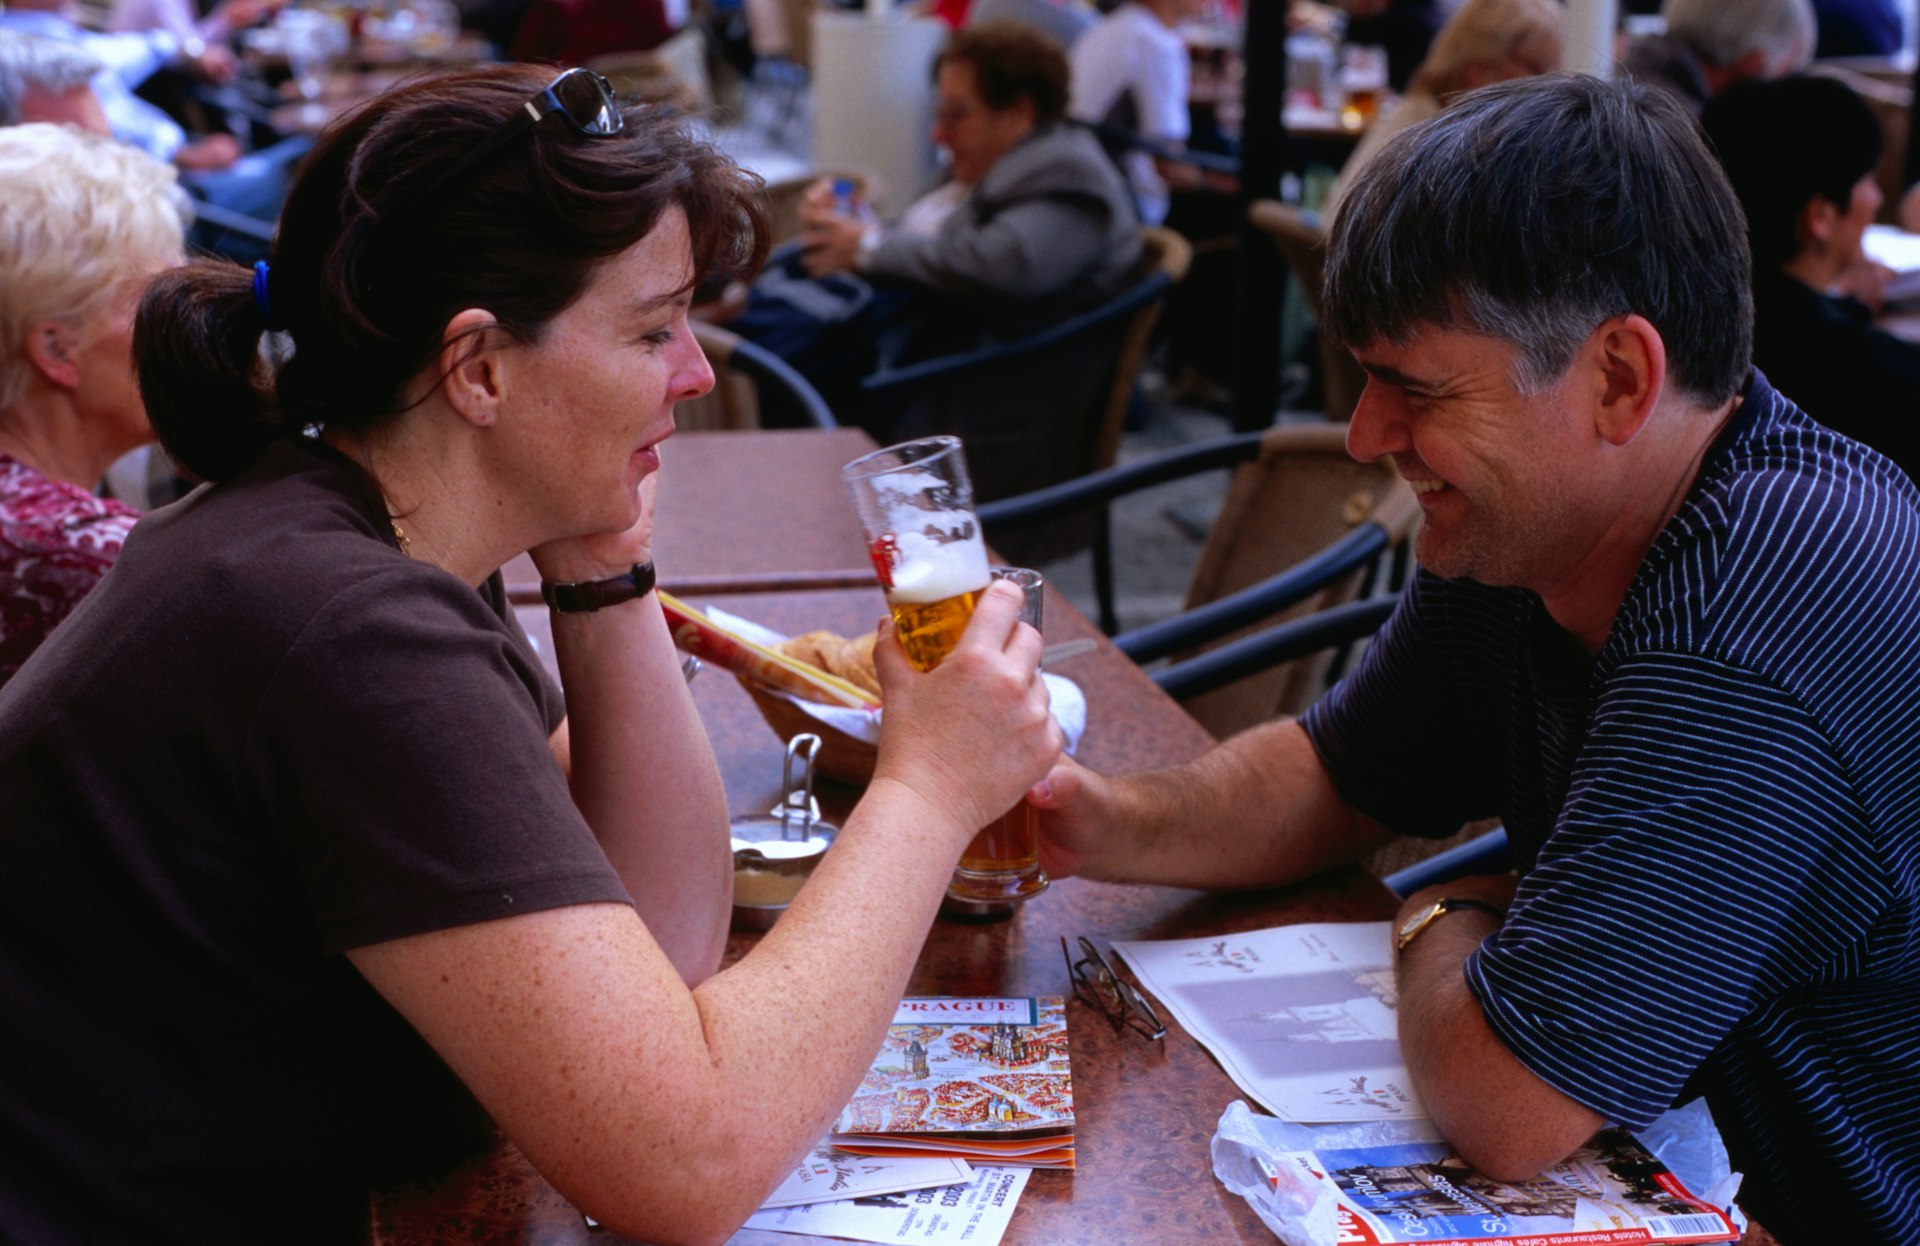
(1012, 62)
(365, 275)
(1785, 142)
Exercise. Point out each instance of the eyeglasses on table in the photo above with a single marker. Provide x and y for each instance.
(1119, 1001)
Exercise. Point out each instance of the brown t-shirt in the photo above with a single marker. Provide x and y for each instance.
(267, 737)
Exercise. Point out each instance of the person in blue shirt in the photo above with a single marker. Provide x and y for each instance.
(1664, 624)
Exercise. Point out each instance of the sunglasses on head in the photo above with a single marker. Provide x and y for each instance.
(583, 97)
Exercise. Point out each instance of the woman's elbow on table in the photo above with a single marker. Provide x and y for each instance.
(707, 1217)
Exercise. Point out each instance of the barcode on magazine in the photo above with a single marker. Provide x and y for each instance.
(1684, 1226)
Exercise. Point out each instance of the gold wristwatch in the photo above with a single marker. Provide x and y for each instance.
(1411, 928)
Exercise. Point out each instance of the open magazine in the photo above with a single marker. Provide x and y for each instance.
(1301, 1017)
(985, 1079)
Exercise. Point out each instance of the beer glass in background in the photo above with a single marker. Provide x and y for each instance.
(1363, 84)
(916, 504)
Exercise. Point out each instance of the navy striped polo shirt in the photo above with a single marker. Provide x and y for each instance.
(1717, 818)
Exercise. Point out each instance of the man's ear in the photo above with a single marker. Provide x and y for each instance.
(53, 348)
(1816, 222)
(474, 367)
(1629, 359)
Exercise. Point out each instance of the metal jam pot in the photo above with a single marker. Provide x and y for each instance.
(775, 853)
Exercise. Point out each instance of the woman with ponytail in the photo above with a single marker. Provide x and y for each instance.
(308, 873)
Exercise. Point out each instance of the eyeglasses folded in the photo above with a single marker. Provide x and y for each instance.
(1116, 999)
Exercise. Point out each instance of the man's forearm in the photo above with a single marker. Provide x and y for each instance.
(1502, 1118)
(1257, 811)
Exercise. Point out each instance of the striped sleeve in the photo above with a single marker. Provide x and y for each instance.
(1416, 702)
(1711, 855)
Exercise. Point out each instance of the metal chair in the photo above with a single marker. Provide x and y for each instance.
(750, 384)
(1303, 242)
(1285, 642)
(1302, 528)
(1040, 409)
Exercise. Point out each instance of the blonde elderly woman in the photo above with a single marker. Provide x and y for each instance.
(83, 223)
(1485, 41)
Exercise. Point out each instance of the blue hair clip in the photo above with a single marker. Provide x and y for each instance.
(260, 299)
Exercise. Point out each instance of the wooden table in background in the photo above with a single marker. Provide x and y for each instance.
(749, 512)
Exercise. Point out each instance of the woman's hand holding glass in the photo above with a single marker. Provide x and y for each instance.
(973, 734)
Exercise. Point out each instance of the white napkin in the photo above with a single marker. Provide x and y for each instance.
(1068, 703)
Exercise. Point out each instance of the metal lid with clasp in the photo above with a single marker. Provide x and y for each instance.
(775, 853)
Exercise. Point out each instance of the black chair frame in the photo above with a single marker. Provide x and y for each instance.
(890, 378)
(1283, 642)
(1096, 489)
(768, 369)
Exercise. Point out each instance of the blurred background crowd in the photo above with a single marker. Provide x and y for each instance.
(1031, 222)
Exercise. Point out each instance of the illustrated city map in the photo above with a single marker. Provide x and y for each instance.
(995, 1067)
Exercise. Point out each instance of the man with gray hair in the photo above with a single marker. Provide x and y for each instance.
(48, 80)
(1664, 625)
(1711, 44)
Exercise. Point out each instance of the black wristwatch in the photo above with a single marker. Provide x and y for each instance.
(583, 596)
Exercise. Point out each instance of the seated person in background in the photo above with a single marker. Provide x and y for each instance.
(129, 57)
(1711, 44)
(84, 222)
(208, 39)
(48, 80)
(1484, 41)
(1802, 154)
(1665, 625)
(573, 32)
(1031, 226)
(1131, 72)
(214, 167)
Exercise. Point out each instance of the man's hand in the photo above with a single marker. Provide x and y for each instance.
(1864, 281)
(213, 63)
(1072, 803)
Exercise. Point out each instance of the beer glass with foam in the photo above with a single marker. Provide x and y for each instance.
(916, 502)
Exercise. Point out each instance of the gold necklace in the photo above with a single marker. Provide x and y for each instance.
(400, 535)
